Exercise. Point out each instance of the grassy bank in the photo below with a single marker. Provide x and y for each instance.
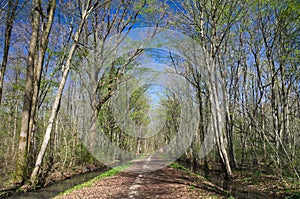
(109, 173)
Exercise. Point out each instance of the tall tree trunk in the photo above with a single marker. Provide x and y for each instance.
(202, 128)
(229, 132)
(55, 107)
(217, 120)
(21, 163)
(217, 124)
(46, 28)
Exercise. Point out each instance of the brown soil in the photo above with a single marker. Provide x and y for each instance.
(163, 183)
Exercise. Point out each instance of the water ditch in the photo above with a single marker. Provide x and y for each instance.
(58, 187)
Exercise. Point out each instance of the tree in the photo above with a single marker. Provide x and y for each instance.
(21, 163)
(47, 21)
(98, 75)
(275, 27)
(87, 9)
(210, 22)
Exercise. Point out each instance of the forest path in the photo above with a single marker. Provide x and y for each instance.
(162, 183)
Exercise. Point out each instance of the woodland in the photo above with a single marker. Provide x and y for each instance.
(55, 93)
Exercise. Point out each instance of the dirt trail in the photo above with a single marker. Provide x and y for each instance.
(163, 183)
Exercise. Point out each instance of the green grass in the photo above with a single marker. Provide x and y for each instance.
(89, 183)
(176, 165)
(109, 173)
(192, 187)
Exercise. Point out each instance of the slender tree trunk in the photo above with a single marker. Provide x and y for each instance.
(55, 107)
(217, 121)
(21, 163)
(214, 89)
(228, 121)
(46, 28)
(201, 125)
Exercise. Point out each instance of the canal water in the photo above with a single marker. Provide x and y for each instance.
(58, 187)
(237, 190)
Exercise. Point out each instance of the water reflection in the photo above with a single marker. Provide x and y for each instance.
(236, 189)
(53, 190)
